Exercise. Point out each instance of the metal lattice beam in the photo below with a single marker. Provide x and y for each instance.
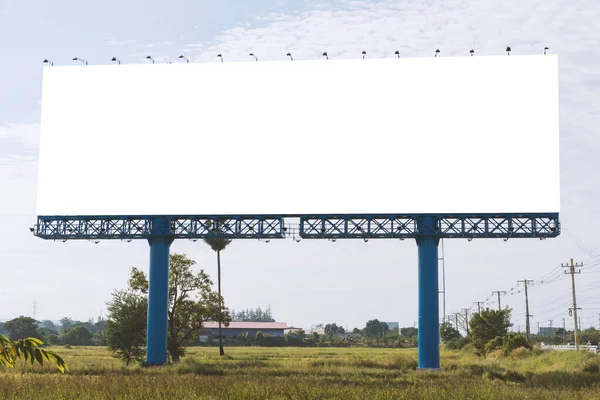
(469, 226)
(144, 227)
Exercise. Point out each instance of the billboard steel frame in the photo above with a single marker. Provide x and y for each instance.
(426, 229)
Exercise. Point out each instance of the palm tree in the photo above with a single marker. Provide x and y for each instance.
(218, 244)
(28, 350)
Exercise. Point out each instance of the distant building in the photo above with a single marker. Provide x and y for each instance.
(236, 329)
(547, 331)
(392, 325)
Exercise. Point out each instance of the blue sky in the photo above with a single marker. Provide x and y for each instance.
(309, 282)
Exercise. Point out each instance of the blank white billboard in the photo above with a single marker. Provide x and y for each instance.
(373, 136)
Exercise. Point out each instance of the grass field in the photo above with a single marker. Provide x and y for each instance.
(310, 373)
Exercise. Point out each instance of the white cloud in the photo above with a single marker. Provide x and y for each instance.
(120, 43)
(28, 135)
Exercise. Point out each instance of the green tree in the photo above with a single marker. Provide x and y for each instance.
(487, 325)
(78, 336)
(251, 315)
(66, 323)
(375, 328)
(126, 325)
(49, 325)
(186, 314)
(218, 244)
(27, 349)
(334, 330)
(448, 332)
(21, 327)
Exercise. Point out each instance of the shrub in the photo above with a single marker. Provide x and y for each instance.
(521, 352)
(592, 365)
(515, 340)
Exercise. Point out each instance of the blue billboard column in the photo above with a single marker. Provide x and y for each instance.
(429, 329)
(158, 300)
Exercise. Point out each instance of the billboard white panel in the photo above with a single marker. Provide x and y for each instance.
(374, 136)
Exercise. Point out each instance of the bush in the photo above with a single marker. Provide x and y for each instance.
(515, 340)
(521, 352)
(458, 343)
(592, 365)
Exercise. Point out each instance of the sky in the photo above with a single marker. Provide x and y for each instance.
(310, 282)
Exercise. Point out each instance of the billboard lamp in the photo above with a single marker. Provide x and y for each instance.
(115, 59)
(290, 56)
(364, 54)
(150, 58)
(46, 61)
(80, 59)
(252, 55)
(220, 56)
(545, 50)
(187, 60)
(325, 55)
(437, 51)
(397, 52)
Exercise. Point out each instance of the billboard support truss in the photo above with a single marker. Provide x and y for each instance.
(426, 229)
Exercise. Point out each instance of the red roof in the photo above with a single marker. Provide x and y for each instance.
(249, 325)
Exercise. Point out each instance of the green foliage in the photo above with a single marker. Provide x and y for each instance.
(334, 330)
(126, 325)
(448, 332)
(458, 343)
(191, 303)
(375, 328)
(66, 323)
(507, 343)
(21, 327)
(251, 315)
(78, 336)
(487, 325)
(29, 350)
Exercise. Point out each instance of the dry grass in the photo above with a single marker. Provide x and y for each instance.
(309, 373)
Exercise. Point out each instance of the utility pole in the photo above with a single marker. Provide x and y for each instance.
(564, 329)
(538, 326)
(572, 272)
(466, 311)
(478, 303)
(551, 329)
(527, 315)
(499, 292)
